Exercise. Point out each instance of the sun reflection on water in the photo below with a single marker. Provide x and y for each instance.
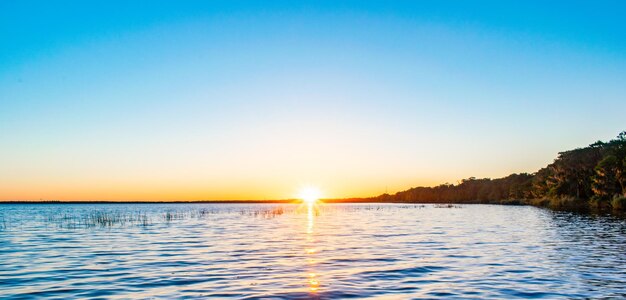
(310, 250)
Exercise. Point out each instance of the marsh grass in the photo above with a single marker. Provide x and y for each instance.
(105, 218)
(98, 218)
(447, 206)
(264, 213)
(108, 217)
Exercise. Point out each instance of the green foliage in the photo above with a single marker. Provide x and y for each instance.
(579, 178)
(571, 172)
(605, 182)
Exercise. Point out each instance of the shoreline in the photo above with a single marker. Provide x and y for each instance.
(284, 201)
(579, 206)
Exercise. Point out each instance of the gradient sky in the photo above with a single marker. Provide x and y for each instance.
(166, 100)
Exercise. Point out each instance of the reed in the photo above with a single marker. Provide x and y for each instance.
(107, 217)
(447, 206)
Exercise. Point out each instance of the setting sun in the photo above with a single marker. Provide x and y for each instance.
(309, 194)
(313, 149)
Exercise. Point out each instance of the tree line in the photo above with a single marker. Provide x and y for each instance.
(589, 177)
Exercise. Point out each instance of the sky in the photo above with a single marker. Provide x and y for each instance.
(190, 100)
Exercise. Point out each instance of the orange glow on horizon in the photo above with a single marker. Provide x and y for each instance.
(105, 187)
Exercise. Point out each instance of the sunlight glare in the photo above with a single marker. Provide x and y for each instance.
(309, 194)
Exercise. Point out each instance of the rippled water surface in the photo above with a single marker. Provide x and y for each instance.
(331, 251)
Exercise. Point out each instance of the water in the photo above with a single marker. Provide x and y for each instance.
(300, 252)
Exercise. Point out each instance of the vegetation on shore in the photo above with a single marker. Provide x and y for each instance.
(593, 177)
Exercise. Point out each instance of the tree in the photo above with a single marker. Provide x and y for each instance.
(605, 182)
(610, 176)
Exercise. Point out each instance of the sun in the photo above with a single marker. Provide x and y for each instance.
(309, 194)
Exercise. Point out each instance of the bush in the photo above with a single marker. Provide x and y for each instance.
(538, 202)
(599, 204)
(619, 203)
(511, 202)
(568, 203)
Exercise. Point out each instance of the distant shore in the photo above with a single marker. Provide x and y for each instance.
(284, 201)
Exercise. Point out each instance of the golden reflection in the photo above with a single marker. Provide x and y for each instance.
(310, 221)
(313, 282)
(310, 249)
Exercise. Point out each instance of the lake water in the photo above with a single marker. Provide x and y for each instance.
(332, 251)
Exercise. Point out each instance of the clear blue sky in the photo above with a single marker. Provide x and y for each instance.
(228, 100)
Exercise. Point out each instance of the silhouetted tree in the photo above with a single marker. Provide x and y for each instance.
(594, 172)
(610, 176)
